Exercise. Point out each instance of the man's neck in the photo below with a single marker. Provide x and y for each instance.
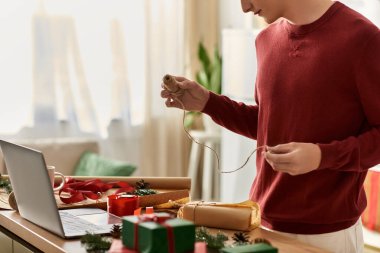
(302, 12)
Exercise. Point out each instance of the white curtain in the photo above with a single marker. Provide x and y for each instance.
(164, 150)
(94, 68)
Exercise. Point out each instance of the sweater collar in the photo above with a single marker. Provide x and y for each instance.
(299, 30)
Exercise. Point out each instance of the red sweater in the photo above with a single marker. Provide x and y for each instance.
(316, 83)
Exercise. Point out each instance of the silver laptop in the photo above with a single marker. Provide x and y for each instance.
(35, 197)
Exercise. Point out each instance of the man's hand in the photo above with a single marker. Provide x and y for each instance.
(294, 158)
(193, 96)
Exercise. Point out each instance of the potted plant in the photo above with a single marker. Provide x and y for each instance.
(209, 76)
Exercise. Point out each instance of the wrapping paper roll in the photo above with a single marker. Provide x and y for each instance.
(243, 216)
(167, 183)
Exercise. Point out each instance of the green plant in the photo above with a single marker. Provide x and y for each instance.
(209, 76)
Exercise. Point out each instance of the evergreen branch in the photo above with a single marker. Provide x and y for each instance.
(212, 241)
(5, 184)
(95, 243)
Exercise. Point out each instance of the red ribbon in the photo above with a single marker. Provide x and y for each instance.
(158, 219)
(373, 200)
(80, 190)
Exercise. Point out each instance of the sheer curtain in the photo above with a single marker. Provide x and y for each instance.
(174, 31)
(94, 68)
(164, 143)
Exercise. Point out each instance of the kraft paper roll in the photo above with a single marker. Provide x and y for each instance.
(243, 216)
(167, 183)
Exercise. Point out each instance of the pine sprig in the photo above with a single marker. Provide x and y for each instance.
(212, 241)
(95, 243)
(143, 192)
(5, 184)
(142, 188)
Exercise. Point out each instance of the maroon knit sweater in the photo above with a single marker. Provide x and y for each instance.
(316, 83)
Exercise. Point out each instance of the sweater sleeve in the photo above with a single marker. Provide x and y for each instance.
(235, 116)
(359, 153)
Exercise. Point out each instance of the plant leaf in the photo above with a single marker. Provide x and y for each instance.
(204, 57)
(216, 73)
(203, 79)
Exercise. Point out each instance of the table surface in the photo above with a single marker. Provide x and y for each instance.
(48, 242)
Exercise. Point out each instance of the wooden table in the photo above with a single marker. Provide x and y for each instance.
(34, 237)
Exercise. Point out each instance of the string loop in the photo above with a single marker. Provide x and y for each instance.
(175, 91)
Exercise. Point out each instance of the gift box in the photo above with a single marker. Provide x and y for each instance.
(243, 216)
(158, 233)
(371, 215)
(257, 247)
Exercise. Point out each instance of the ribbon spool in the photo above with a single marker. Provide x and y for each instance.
(122, 204)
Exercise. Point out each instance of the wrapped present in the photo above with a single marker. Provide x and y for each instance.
(371, 215)
(122, 204)
(158, 232)
(257, 247)
(243, 216)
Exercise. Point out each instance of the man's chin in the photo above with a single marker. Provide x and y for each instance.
(269, 20)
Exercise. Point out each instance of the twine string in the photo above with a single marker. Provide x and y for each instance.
(175, 96)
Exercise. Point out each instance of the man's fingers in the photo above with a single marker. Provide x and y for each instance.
(186, 84)
(278, 158)
(165, 94)
(172, 103)
(281, 148)
(180, 78)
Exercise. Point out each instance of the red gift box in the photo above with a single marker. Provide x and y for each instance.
(371, 215)
(122, 204)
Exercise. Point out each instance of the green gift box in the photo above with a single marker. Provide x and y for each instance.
(257, 247)
(158, 233)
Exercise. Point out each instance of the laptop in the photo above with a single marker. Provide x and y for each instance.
(35, 197)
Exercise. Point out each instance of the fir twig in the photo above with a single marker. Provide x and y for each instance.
(143, 192)
(142, 188)
(95, 243)
(212, 241)
(5, 184)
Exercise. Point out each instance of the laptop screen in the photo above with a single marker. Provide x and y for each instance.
(31, 185)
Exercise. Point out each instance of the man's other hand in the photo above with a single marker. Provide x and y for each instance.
(294, 158)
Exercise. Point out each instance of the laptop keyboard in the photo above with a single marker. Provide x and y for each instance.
(74, 224)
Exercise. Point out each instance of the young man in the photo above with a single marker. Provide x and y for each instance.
(318, 116)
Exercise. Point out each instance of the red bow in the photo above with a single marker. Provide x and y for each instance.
(153, 217)
(80, 190)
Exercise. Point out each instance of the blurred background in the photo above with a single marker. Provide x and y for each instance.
(92, 69)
